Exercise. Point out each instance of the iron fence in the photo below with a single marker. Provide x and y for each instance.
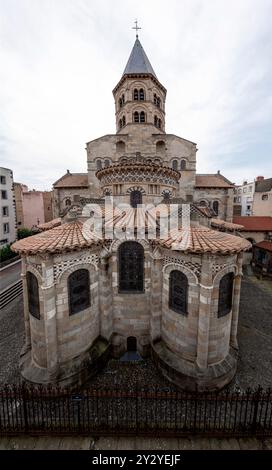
(48, 410)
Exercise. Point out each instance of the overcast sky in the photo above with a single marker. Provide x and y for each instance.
(60, 60)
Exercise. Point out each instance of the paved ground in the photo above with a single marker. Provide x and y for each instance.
(9, 275)
(255, 341)
(132, 443)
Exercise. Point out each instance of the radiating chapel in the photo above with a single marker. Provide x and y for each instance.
(96, 284)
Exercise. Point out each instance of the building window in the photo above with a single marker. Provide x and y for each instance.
(250, 189)
(120, 124)
(5, 211)
(159, 123)
(156, 121)
(136, 117)
(135, 198)
(225, 295)
(121, 101)
(155, 98)
(3, 179)
(264, 197)
(175, 164)
(202, 203)
(142, 116)
(183, 165)
(106, 163)
(142, 94)
(124, 121)
(68, 202)
(79, 291)
(215, 207)
(3, 241)
(131, 267)
(4, 194)
(98, 164)
(178, 292)
(33, 295)
(158, 102)
(6, 227)
(136, 95)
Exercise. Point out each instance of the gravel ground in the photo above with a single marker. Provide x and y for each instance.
(254, 336)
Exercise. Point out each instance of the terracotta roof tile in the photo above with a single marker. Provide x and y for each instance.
(254, 223)
(72, 180)
(48, 225)
(66, 237)
(265, 244)
(212, 181)
(228, 225)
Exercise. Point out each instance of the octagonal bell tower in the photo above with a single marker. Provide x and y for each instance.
(139, 96)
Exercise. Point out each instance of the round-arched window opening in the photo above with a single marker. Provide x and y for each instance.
(142, 94)
(107, 163)
(98, 164)
(135, 198)
(132, 344)
(142, 116)
(175, 164)
(68, 202)
(215, 207)
(183, 165)
(136, 95)
(136, 117)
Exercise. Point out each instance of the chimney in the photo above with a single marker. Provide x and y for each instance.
(260, 178)
(218, 172)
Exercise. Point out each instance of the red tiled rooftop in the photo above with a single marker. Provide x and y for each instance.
(265, 244)
(48, 225)
(72, 180)
(212, 181)
(254, 223)
(228, 225)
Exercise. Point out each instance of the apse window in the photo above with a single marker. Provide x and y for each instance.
(79, 291)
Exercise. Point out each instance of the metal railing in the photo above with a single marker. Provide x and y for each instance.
(10, 293)
(47, 410)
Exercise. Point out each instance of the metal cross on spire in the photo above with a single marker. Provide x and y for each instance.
(136, 27)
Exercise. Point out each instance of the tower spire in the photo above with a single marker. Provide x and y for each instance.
(136, 27)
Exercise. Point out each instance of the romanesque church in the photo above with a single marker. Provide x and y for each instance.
(96, 284)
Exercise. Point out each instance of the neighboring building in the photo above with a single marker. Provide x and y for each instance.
(255, 228)
(243, 199)
(215, 191)
(93, 290)
(262, 258)
(32, 207)
(262, 204)
(68, 189)
(8, 232)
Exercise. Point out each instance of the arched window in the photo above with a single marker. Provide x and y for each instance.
(155, 98)
(136, 116)
(123, 99)
(142, 116)
(158, 102)
(156, 121)
(202, 203)
(135, 198)
(142, 94)
(136, 94)
(120, 103)
(79, 291)
(178, 292)
(131, 267)
(120, 123)
(98, 164)
(120, 146)
(175, 164)
(124, 121)
(225, 294)
(159, 123)
(68, 202)
(106, 163)
(215, 207)
(33, 295)
(183, 164)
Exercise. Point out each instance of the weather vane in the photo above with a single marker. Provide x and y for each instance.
(136, 27)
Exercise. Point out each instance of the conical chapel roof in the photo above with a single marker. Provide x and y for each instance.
(138, 61)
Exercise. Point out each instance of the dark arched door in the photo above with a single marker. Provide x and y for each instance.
(135, 198)
(131, 343)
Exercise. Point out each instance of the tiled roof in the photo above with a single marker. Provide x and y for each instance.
(227, 225)
(66, 237)
(74, 235)
(254, 223)
(212, 181)
(72, 180)
(265, 244)
(48, 225)
(205, 240)
(138, 61)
